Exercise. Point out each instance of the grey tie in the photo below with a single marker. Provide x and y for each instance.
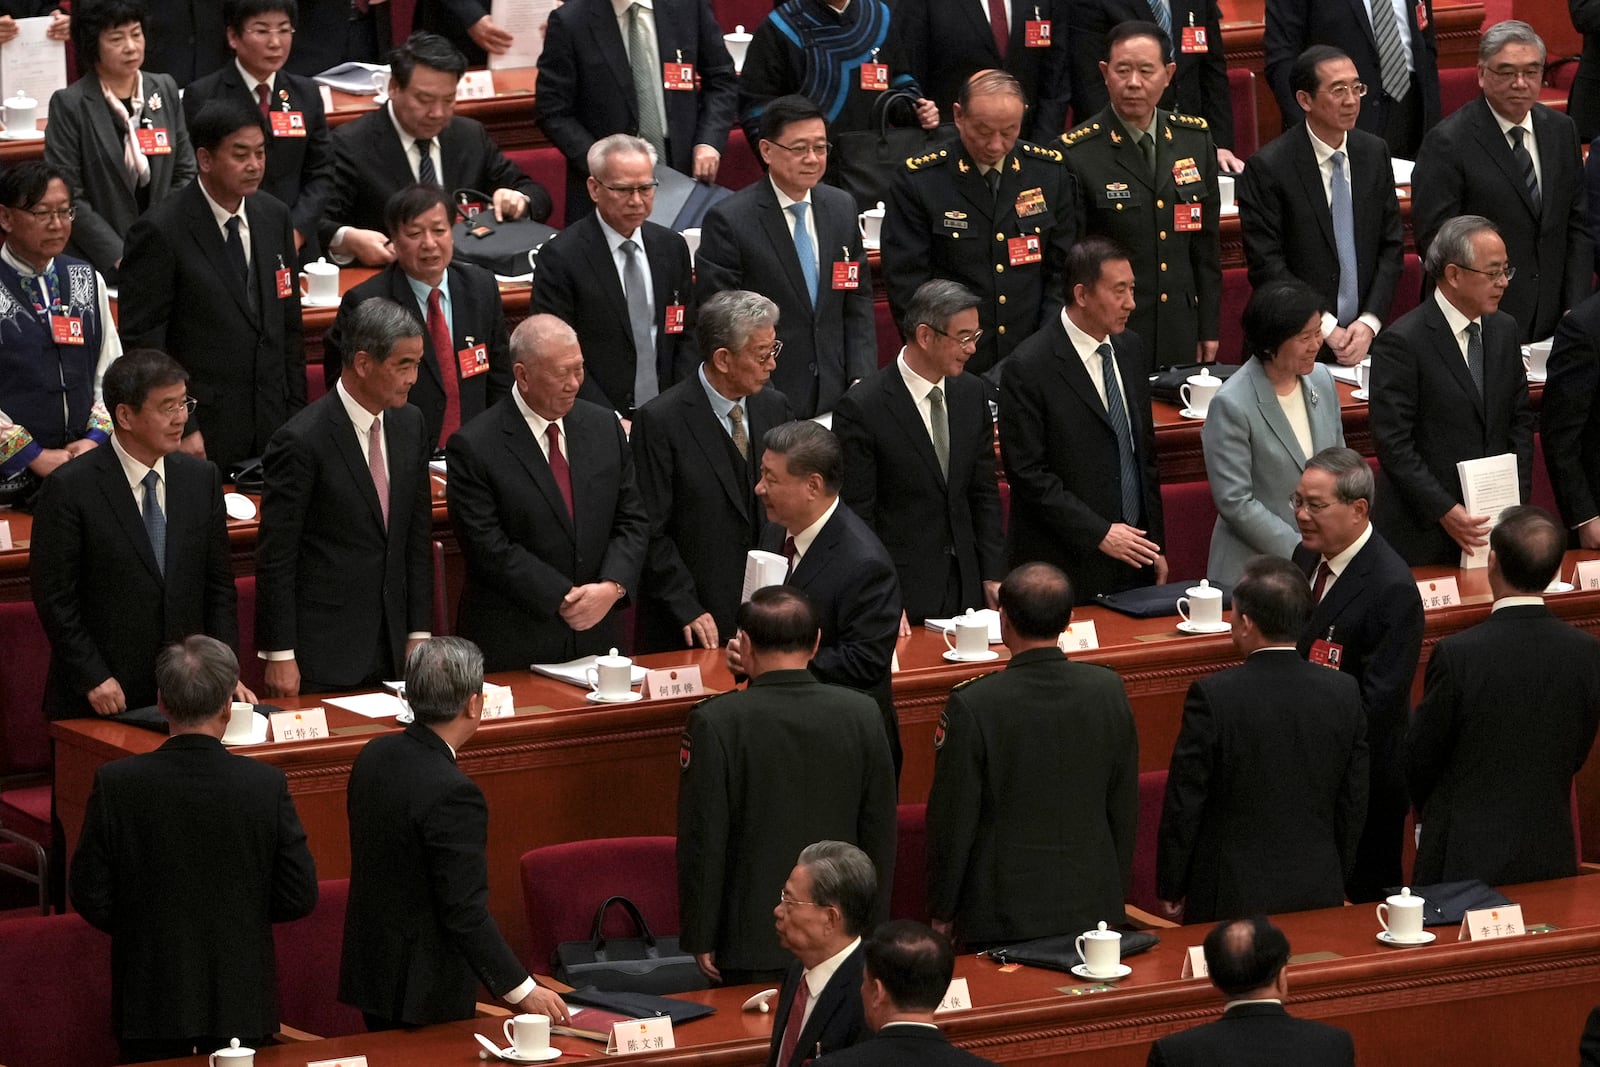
(1524, 161)
(155, 521)
(1475, 355)
(1344, 239)
(1391, 52)
(1127, 465)
(939, 424)
(646, 80)
(741, 439)
(425, 172)
(641, 314)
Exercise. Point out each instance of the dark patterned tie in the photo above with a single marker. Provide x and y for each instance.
(1524, 159)
(425, 172)
(155, 520)
(1127, 464)
(1391, 53)
(1475, 355)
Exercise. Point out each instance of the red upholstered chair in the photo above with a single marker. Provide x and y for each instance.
(1142, 893)
(443, 607)
(55, 993)
(252, 669)
(1242, 100)
(316, 382)
(548, 167)
(739, 166)
(1543, 494)
(563, 885)
(908, 899)
(1457, 87)
(888, 333)
(308, 969)
(1235, 295)
(1408, 292)
(24, 749)
(1190, 516)
(746, 13)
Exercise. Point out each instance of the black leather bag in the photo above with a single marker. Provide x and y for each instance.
(863, 162)
(1166, 384)
(1155, 601)
(507, 248)
(644, 963)
(1060, 952)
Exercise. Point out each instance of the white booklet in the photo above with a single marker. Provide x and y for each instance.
(1488, 486)
(352, 77)
(762, 569)
(576, 671)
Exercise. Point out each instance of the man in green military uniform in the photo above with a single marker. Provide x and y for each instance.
(945, 205)
(1147, 178)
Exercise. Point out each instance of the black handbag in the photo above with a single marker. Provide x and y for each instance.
(1060, 952)
(643, 963)
(1167, 384)
(863, 162)
(1155, 601)
(507, 248)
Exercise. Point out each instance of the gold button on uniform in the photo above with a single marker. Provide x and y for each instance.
(1002, 330)
(1163, 266)
(999, 268)
(1002, 298)
(1161, 203)
(1163, 298)
(999, 237)
(1163, 235)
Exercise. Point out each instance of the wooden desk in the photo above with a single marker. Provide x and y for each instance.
(1513, 1000)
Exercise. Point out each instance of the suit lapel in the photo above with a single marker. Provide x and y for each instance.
(204, 232)
(782, 242)
(603, 268)
(265, 259)
(713, 441)
(1304, 162)
(337, 425)
(969, 182)
(904, 411)
(1449, 353)
(1494, 143)
(391, 154)
(815, 562)
(1071, 368)
(1272, 412)
(1358, 11)
(108, 132)
(520, 443)
(608, 40)
(1350, 585)
(121, 501)
(658, 253)
(978, 27)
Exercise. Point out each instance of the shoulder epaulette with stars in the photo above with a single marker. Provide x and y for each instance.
(1088, 131)
(1188, 120)
(931, 159)
(1028, 148)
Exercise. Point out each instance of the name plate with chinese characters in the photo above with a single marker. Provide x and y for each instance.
(640, 1035)
(1439, 593)
(311, 724)
(673, 683)
(1486, 924)
(1587, 575)
(475, 85)
(1194, 963)
(956, 998)
(1079, 637)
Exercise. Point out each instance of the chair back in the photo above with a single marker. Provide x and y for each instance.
(55, 993)
(564, 885)
(309, 951)
(908, 898)
(1152, 794)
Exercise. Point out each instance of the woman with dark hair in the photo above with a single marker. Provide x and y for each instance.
(117, 133)
(1277, 411)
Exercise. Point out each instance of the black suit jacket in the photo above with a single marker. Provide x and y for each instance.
(743, 815)
(1484, 816)
(578, 284)
(475, 313)
(333, 584)
(1465, 168)
(586, 89)
(1265, 798)
(1288, 225)
(418, 936)
(1426, 416)
(1200, 86)
(370, 166)
(748, 245)
(837, 1022)
(1583, 102)
(1060, 457)
(1034, 802)
(944, 42)
(240, 342)
(938, 529)
(1569, 419)
(524, 551)
(185, 38)
(299, 169)
(1256, 1035)
(704, 514)
(896, 1044)
(188, 855)
(105, 605)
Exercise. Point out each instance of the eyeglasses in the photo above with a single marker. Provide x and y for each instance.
(1511, 74)
(964, 339)
(1504, 274)
(172, 407)
(44, 216)
(265, 33)
(1315, 507)
(644, 189)
(1344, 92)
(786, 901)
(770, 353)
(820, 149)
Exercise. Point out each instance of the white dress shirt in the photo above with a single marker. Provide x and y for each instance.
(1528, 141)
(784, 201)
(921, 390)
(619, 259)
(803, 539)
(1088, 349)
(1458, 322)
(1337, 564)
(222, 215)
(538, 423)
(816, 979)
(1324, 155)
(135, 471)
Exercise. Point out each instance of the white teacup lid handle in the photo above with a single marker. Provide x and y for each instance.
(1405, 891)
(738, 29)
(234, 1043)
(1204, 584)
(613, 652)
(1102, 926)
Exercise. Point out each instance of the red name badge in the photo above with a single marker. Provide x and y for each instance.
(847, 275)
(1194, 39)
(1024, 249)
(1422, 16)
(154, 142)
(474, 360)
(1186, 217)
(66, 329)
(1325, 653)
(288, 124)
(875, 77)
(1037, 33)
(285, 283)
(674, 320)
(678, 77)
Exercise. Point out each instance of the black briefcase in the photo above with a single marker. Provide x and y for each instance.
(1155, 601)
(1165, 384)
(508, 248)
(1060, 951)
(643, 963)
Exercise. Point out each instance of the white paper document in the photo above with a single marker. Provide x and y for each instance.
(944, 626)
(370, 705)
(1347, 375)
(576, 671)
(32, 64)
(1488, 486)
(352, 77)
(524, 20)
(762, 569)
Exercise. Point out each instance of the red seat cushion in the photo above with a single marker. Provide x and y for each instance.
(24, 734)
(55, 993)
(309, 951)
(1242, 100)
(1152, 795)
(908, 899)
(1191, 515)
(27, 811)
(548, 167)
(563, 886)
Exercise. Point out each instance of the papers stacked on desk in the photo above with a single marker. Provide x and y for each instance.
(352, 77)
(576, 671)
(369, 705)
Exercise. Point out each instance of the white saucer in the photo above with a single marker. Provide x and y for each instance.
(1532, 377)
(1559, 586)
(1122, 971)
(258, 733)
(239, 506)
(1426, 938)
(596, 698)
(313, 302)
(22, 135)
(509, 1054)
(1191, 413)
(866, 245)
(1359, 394)
(983, 657)
(1204, 628)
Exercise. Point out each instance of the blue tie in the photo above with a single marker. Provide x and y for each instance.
(805, 249)
(1158, 8)
(1344, 240)
(1126, 464)
(155, 522)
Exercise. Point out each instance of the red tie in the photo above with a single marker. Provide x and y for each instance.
(797, 1011)
(789, 551)
(1320, 581)
(444, 351)
(558, 466)
(263, 96)
(997, 23)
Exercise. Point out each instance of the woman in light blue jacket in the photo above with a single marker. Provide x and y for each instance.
(1277, 411)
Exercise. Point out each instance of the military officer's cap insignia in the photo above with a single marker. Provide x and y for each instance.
(685, 749)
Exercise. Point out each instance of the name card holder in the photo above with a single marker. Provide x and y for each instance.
(956, 998)
(497, 701)
(475, 85)
(1587, 576)
(1194, 963)
(1080, 637)
(673, 683)
(1439, 593)
(1487, 924)
(348, 1061)
(310, 724)
(640, 1035)
(6, 544)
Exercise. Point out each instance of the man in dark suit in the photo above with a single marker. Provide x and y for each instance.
(823, 910)
(299, 152)
(945, 42)
(1267, 789)
(1368, 624)
(209, 279)
(586, 90)
(799, 244)
(188, 856)
(835, 560)
(1019, 846)
(1319, 205)
(635, 340)
(1569, 422)
(466, 355)
(546, 508)
(130, 549)
(418, 936)
(947, 201)
(743, 811)
(696, 449)
(1396, 57)
(1078, 440)
(1448, 385)
(919, 460)
(467, 25)
(906, 971)
(1247, 961)
(1198, 87)
(185, 39)
(344, 566)
(1482, 815)
(1516, 162)
(417, 138)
